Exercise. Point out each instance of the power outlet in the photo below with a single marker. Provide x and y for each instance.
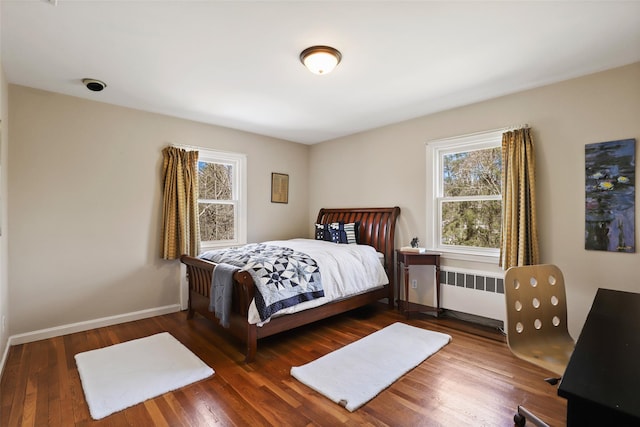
(414, 284)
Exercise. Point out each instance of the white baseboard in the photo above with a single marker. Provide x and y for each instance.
(4, 358)
(89, 324)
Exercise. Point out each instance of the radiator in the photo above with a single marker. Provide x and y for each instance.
(473, 292)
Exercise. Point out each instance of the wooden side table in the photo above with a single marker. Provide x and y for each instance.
(409, 258)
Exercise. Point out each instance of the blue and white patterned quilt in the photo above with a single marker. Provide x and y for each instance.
(283, 277)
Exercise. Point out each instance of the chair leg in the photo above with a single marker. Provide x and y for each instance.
(523, 415)
(553, 380)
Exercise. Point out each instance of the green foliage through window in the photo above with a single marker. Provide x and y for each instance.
(472, 223)
(470, 204)
(472, 173)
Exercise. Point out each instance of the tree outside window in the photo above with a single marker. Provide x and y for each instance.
(221, 198)
(471, 207)
(466, 195)
(216, 209)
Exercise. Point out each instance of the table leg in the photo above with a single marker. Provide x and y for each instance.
(406, 290)
(398, 277)
(437, 285)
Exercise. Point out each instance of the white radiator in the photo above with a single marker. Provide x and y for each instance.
(473, 292)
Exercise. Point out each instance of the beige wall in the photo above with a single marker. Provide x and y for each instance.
(4, 144)
(85, 193)
(386, 167)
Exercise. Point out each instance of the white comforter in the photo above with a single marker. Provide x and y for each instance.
(345, 269)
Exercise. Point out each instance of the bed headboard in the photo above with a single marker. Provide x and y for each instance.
(377, 228)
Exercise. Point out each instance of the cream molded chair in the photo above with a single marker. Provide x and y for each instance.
(537, 322)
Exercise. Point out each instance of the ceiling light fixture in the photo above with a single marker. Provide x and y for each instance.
(320, 59)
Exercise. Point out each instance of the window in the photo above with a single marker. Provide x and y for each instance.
(465, 212)
(221, 198)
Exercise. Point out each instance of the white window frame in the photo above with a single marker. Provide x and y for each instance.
(436, 150)
(238, 161)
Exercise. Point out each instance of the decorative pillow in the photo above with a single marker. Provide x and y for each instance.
(344, 233)
(351, 232)
(322, 232)
(336, 230)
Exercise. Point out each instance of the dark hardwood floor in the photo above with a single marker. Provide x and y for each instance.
(473, 381)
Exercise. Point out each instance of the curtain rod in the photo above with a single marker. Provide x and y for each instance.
(504, 129)
(480, 133)
(523, 126)
(187, 147)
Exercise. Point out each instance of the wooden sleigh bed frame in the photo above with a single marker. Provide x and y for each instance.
(376, 228)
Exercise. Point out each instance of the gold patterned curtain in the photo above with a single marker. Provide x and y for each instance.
(180, 229)
(519, 230)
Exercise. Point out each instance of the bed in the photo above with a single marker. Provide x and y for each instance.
(375, 228)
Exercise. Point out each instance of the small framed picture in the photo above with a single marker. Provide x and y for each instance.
(279, 188)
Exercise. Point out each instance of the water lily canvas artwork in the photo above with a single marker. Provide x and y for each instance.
(610, 196)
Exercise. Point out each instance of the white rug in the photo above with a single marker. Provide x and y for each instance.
(122, 375)
(356, 373)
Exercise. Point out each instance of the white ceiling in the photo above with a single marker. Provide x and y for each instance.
(235, 63)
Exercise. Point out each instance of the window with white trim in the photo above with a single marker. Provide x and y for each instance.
(222, 199)
(465, 212)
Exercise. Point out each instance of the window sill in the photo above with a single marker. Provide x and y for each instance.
(222, 245)
(468, 256)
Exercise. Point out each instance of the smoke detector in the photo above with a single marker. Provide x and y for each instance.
(94, 85)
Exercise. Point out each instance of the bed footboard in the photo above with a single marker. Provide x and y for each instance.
(200, 272)
(376, 228)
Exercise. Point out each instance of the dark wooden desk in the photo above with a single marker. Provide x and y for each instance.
(407, 259)
(602, 381)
